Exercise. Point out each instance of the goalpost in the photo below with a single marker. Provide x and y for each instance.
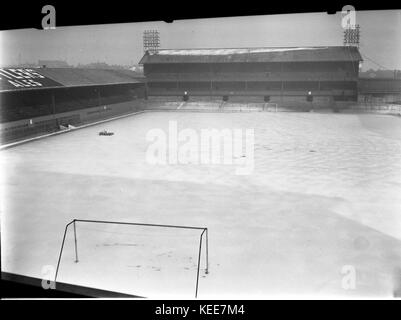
(270, 106)
(203, 234)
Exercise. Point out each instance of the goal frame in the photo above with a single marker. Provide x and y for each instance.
(274, 106)
(203, 229)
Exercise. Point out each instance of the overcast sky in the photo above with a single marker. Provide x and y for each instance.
(122, 43)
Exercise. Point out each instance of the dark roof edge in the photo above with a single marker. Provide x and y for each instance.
(72, 86)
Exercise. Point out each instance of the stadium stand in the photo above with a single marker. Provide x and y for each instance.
(285, 75)
(35, 101)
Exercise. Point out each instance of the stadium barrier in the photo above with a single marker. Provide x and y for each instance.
(387, 108)
(43, 125)
(31, 127)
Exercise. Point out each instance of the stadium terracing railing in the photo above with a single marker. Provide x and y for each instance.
(242, 76)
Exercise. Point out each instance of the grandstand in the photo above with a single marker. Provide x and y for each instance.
(372, 90)
(280, 75)
(37, 101)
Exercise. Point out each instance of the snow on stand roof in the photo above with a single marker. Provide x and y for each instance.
(16, 79)
(270, 54)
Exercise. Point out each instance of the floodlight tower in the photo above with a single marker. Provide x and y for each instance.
(352, 35)
(151, 40)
